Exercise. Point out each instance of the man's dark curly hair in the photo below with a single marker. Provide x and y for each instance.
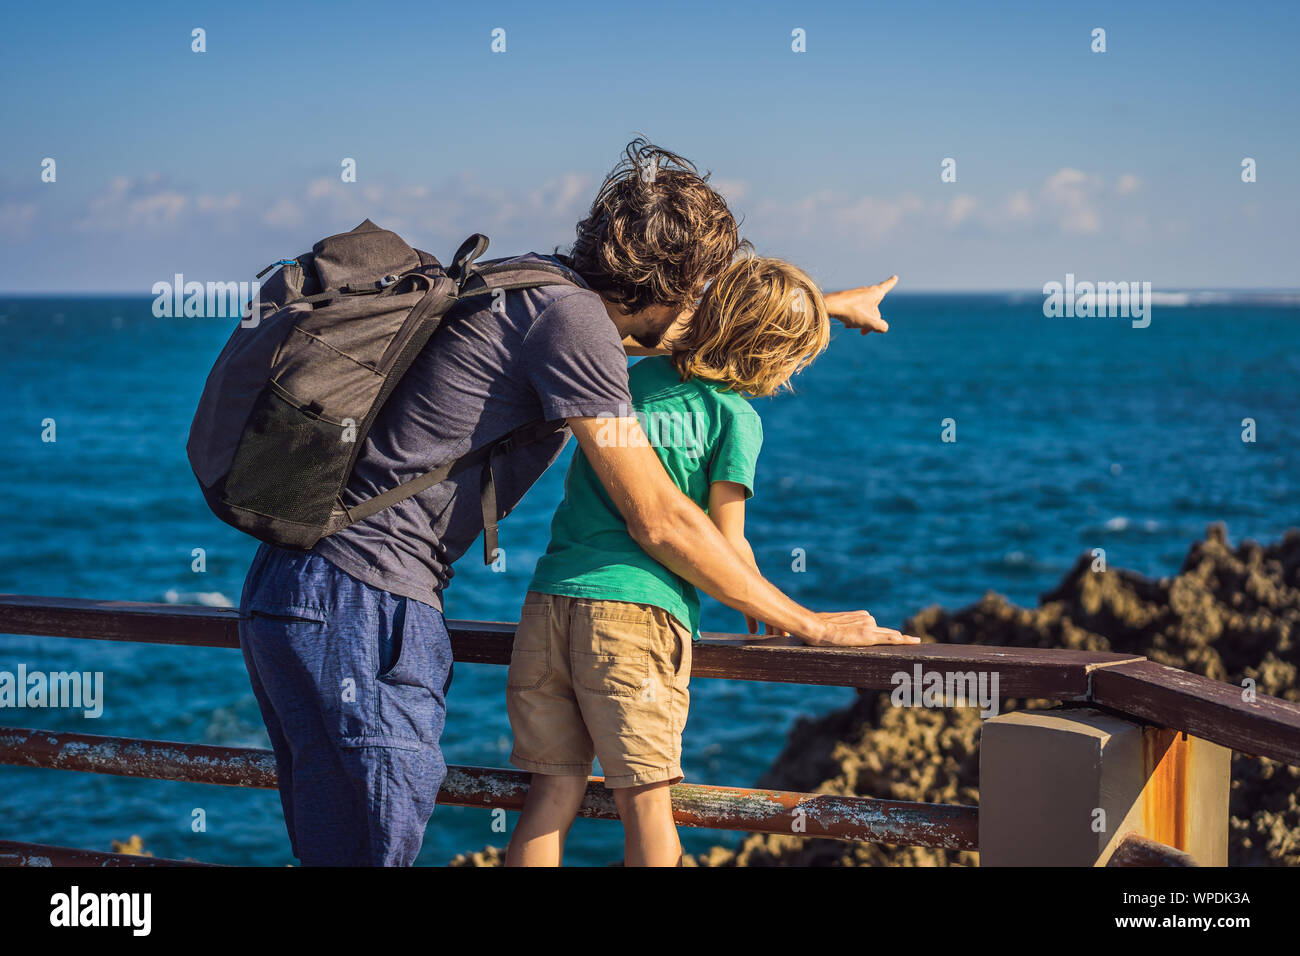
(656, 233)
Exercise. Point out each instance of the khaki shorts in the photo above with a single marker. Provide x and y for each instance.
(599, 678)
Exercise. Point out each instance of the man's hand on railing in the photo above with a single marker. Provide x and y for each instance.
(854, 629)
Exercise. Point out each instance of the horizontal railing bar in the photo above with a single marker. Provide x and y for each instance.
(1267, 726)
(186, 624)
(13, 853)
(1021, 672)
(1203, 707)
(127, 757)
(831, 816)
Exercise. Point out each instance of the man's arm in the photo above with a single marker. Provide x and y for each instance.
(674, 531)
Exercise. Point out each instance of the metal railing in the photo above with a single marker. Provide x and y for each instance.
(1124, 684)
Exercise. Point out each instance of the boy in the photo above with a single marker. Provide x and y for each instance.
(602, 656)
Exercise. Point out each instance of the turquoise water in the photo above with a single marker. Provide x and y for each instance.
(1071, 434)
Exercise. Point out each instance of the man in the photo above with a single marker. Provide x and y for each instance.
(346, 646)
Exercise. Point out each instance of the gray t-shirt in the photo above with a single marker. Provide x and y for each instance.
(553, 354)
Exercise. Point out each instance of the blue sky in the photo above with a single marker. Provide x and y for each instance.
(1123, 165)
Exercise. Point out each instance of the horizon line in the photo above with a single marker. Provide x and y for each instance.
(900, 293)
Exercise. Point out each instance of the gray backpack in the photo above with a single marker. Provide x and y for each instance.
(295, 391)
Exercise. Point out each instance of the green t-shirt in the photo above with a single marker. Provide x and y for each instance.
(702, 434)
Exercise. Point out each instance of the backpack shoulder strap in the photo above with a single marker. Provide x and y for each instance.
(523, 435)
(508, 276)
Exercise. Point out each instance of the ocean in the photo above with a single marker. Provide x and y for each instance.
(1071, 434)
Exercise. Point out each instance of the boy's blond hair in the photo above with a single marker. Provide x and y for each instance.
(761, 321)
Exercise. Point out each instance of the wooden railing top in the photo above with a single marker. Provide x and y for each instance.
(1022, 672)
(1263, 726)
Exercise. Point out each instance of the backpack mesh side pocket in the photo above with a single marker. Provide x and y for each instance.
(282, 439)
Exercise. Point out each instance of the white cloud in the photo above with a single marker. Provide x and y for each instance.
(445, 213)
(218, 203)
(1018, 206)
(732, 190)
(1070, 197)
(1070, 202)
(152, 208)
(148, 206)
(828, 212)
(1061, 182)
(283, 214)
(960, 209)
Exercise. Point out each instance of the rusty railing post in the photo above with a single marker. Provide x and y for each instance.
(1063, 788)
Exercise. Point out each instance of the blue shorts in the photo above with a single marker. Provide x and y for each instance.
(352, 684)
